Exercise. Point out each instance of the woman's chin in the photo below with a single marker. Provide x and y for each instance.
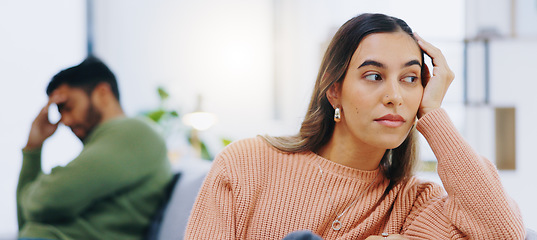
(391, 142)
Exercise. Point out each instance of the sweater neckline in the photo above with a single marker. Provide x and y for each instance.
(333, 168)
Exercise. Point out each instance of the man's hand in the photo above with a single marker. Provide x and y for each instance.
(42, 128)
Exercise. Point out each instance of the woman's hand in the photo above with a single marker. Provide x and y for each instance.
(389, 237)
(436, 85)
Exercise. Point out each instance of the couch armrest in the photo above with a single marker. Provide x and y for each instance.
(183, 196)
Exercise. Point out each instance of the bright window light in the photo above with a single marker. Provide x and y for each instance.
(199, 120)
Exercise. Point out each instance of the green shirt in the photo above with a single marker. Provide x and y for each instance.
(110, 191)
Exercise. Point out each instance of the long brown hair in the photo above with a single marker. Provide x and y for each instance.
(318, 125)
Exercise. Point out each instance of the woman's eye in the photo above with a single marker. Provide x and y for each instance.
(373, 77)
(410, 79)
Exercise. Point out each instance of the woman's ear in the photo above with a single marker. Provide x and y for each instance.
(334, 93)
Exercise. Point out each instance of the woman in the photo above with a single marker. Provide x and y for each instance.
(348, 173)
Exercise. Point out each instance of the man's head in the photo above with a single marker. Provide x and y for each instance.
(86, 95)
(85, 76)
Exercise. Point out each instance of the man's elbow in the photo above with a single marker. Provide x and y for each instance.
(46, 211)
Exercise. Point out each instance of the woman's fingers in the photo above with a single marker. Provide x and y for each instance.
(437, 57)
(389, 237)
(432, 51)
(436, 86)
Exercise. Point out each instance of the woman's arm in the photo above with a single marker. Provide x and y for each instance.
(212, 215)
(477, 206)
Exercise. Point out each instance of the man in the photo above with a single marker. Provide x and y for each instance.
(113, 188)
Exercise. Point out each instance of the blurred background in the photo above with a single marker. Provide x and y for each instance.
(249, 66)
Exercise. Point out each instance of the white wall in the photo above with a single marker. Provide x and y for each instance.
(221, 50)
(514, 84)
(39, 38)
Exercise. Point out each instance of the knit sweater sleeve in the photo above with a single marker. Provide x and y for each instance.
(476, 205)
(212, 216)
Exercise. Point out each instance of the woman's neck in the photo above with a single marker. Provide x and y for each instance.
(349, 153)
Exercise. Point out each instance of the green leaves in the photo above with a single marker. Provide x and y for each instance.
(226, 141)
(163, 94)
(159, 114)
(156, 115)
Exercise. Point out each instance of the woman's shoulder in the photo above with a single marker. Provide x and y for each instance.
(252, 158)
(247, 149)
(254, 152)
(248, 146)
(248, 143)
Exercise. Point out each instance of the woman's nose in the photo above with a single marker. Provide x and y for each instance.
(392, 93)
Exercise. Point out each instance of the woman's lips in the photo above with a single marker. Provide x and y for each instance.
(391, 120)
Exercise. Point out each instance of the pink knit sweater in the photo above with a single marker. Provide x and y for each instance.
(255, 191)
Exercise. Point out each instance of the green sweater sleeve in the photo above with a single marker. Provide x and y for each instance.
(117, 155)
(31, 168)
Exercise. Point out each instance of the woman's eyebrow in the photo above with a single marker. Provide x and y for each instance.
(380, 65)
(413, 62)
(372, 63)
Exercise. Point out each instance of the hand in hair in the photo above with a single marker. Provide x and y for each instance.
(436, 85)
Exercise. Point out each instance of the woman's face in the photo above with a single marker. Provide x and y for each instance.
(381, 92)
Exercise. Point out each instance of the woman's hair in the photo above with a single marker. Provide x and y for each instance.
(318, 125)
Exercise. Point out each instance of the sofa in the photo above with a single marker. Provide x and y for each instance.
(171, 220)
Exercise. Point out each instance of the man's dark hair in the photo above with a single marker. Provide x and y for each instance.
(86, 76)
